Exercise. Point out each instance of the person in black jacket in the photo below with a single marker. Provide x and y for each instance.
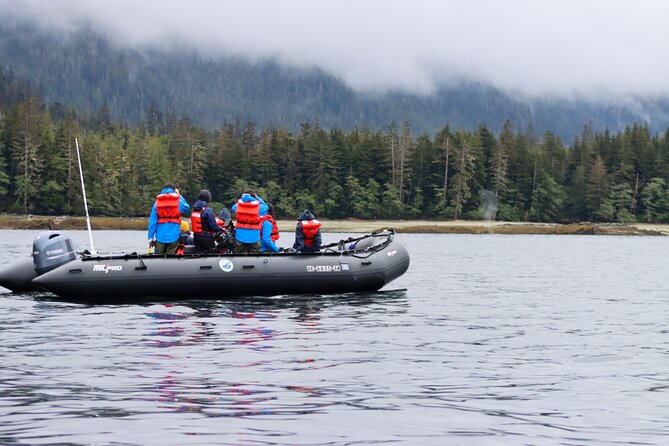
(308, 233)
(203, 223)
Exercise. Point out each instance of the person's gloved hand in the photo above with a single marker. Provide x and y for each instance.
(152, 243)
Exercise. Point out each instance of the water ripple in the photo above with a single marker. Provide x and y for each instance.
(488, 340)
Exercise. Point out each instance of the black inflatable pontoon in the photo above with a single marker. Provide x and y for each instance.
(359, 264)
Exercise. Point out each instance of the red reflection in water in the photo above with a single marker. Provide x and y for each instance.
(171, 326)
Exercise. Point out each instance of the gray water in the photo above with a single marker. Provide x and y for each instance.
(497, 340)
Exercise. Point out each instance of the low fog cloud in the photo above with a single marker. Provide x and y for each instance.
(594, 48)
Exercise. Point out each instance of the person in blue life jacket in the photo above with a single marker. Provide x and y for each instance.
(269, 231)
(165, 220)
(248, 209)
(203, 223)
(307, 233)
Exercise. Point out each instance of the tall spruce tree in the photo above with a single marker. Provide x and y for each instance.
(464, 171)
(597, 188)
(4, 175)
(28, 138)
(499, 163)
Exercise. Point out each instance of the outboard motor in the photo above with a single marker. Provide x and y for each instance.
(50, 250)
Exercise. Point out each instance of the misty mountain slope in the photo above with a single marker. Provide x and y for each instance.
(86, 71)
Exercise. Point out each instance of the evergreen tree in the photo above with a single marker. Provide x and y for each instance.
(355, 195)
(596, 187)
(393, 136)
(548, 199)
(4, 176)
(618, 205)
(462, 182)
(52, 195)
(404, 148)
(443, 161)
(422, 175)
(322, 168)
(66, 132)
(655, 201)
(500, 160)
(188, 151)
(28, 139)
(265, 162)
(577, 195)
(154, 121)
(556, 155)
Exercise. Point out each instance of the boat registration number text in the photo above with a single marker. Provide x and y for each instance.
(323, 268)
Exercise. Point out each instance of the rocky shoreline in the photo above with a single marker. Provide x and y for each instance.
(35, 222)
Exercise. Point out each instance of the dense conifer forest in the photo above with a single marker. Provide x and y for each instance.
(482, 173)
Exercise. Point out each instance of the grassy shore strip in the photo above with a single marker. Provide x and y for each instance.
(33, 222)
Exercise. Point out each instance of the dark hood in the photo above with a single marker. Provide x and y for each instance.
(199, 205)
(225, 215)
(306, 215)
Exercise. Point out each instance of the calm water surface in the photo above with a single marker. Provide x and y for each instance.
(497, 340)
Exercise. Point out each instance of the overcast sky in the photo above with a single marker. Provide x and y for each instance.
(600, 48)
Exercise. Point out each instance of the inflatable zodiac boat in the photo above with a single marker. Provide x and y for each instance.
(361, 264)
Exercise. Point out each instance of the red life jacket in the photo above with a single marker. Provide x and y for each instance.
(196, 222)
(167, 207)
(220, 222)
(275, 229)
(183, 240)
(310, 228)
(248, 214)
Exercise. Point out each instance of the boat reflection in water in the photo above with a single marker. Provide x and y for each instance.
(242, 339)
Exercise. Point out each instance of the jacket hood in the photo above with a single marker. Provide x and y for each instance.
(225, 215)
(199, 205)
(247, 198)
(306, 215)
(167, 190)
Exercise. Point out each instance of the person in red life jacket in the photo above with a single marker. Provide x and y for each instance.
(269, 231)
(203, 223)
(308, 233)
(249, 208)
(165, 220)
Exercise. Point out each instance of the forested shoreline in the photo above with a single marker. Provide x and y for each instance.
(502, 174)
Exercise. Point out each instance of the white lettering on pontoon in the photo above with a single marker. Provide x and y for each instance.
(107, 268)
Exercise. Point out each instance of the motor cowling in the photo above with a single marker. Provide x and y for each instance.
(50, 250)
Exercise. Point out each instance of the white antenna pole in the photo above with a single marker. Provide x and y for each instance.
(83, 192)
